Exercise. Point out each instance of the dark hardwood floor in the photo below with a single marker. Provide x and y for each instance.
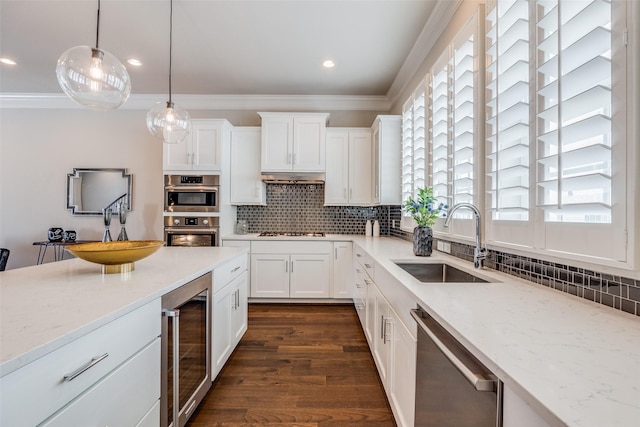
(298, 365)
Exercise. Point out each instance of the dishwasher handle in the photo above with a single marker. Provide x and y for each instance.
(477, 380)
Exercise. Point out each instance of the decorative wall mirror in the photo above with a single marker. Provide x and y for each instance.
(91, 190)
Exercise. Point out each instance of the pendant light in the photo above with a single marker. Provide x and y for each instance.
(93, 77)
(167, 121)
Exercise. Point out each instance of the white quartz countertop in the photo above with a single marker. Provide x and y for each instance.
(577, 363)
(47, 306)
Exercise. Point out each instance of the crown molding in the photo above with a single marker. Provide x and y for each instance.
(433, 28)
(211, 102)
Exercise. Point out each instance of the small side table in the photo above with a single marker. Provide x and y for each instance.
(58, 249)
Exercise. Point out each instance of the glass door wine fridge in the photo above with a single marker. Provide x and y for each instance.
(186, 354)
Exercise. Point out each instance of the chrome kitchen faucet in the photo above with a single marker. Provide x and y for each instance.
(479, 253)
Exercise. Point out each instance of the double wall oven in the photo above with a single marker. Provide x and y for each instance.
(191, 205)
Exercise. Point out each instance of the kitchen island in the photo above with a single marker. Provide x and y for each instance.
(50, 309)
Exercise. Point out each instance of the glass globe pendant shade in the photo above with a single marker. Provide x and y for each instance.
(93, 78)
(168, 122)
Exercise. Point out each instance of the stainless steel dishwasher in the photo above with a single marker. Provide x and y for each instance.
(453, 389)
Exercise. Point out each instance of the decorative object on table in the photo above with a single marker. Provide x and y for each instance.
(69, 236)
(376, 228)
(368, 228)
(424, 209)
(106, 216)
(54, 234)
(115, 257)
(122, 215)
(165, 120)
(93, 77)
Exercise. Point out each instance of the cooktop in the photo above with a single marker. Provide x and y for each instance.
(291, 234)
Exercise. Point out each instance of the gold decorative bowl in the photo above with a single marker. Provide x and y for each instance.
(115, 257)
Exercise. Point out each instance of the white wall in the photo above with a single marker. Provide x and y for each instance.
(39, 147)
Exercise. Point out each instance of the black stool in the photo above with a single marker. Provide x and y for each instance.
(4, 256)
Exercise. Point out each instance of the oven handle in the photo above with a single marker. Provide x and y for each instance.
(477, 381)
(192, 188)
(189, 230)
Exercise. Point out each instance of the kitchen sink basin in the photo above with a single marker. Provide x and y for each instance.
(438, 273)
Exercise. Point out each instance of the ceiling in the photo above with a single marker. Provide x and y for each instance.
(240, 47)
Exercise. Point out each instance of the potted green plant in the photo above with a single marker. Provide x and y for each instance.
(424, 209)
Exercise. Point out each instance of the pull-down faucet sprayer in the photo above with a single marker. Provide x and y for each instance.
(479, 253)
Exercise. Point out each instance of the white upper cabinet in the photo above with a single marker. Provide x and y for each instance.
(293, 142)
(387, 161)
(247, 188)
(201, 150)
(348, 173)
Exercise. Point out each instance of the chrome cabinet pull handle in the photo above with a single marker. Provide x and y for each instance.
(476, 380)
(93, 362)
(235, 269)
(382, 327)
(367, 265)
(292, 266)
(286, 266)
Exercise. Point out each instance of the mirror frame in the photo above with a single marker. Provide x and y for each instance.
(77, 173)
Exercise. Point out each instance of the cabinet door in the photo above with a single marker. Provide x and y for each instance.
(370, 309)
(277, 140)
(387, 160)
(383, 333)
(342, 270)
(177, 156)
(310, 276)
(206, 137)
(269, 276)
(309, 144)
(221, 342)
(247, 187)
(402, 378)
(336, 186)
(360, 176)
(239, 313)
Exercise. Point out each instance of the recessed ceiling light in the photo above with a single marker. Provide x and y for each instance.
(329, 63)
(7, 61)
(135, 62)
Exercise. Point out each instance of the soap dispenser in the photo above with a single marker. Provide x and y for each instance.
(376, 228)
(368, 230)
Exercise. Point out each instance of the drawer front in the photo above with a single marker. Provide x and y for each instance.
(34, 392)
(122, 398)
(152, 418)
(360, 255)
(291, 247)
(228, 271)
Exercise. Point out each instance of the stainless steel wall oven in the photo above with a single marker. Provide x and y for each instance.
(191, 231)
(191, 193)
(186, 350)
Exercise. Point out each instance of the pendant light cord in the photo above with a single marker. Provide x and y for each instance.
(98, 26)
(170, 43)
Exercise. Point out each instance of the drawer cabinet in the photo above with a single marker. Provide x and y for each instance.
(122, 398)
(34, 392)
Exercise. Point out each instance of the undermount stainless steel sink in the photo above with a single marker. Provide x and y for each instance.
(438, 273)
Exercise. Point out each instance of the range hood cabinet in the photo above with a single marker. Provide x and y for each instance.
(293, 178)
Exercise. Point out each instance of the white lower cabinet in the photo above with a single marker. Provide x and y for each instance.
(382, 330)
(391, 342)
(288, 269)
(402, 378)
(124, 376)
(122, 398)
(342, 270)
(229, 310)
(517, 413)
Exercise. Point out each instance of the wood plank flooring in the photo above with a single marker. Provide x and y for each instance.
(298, 366)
